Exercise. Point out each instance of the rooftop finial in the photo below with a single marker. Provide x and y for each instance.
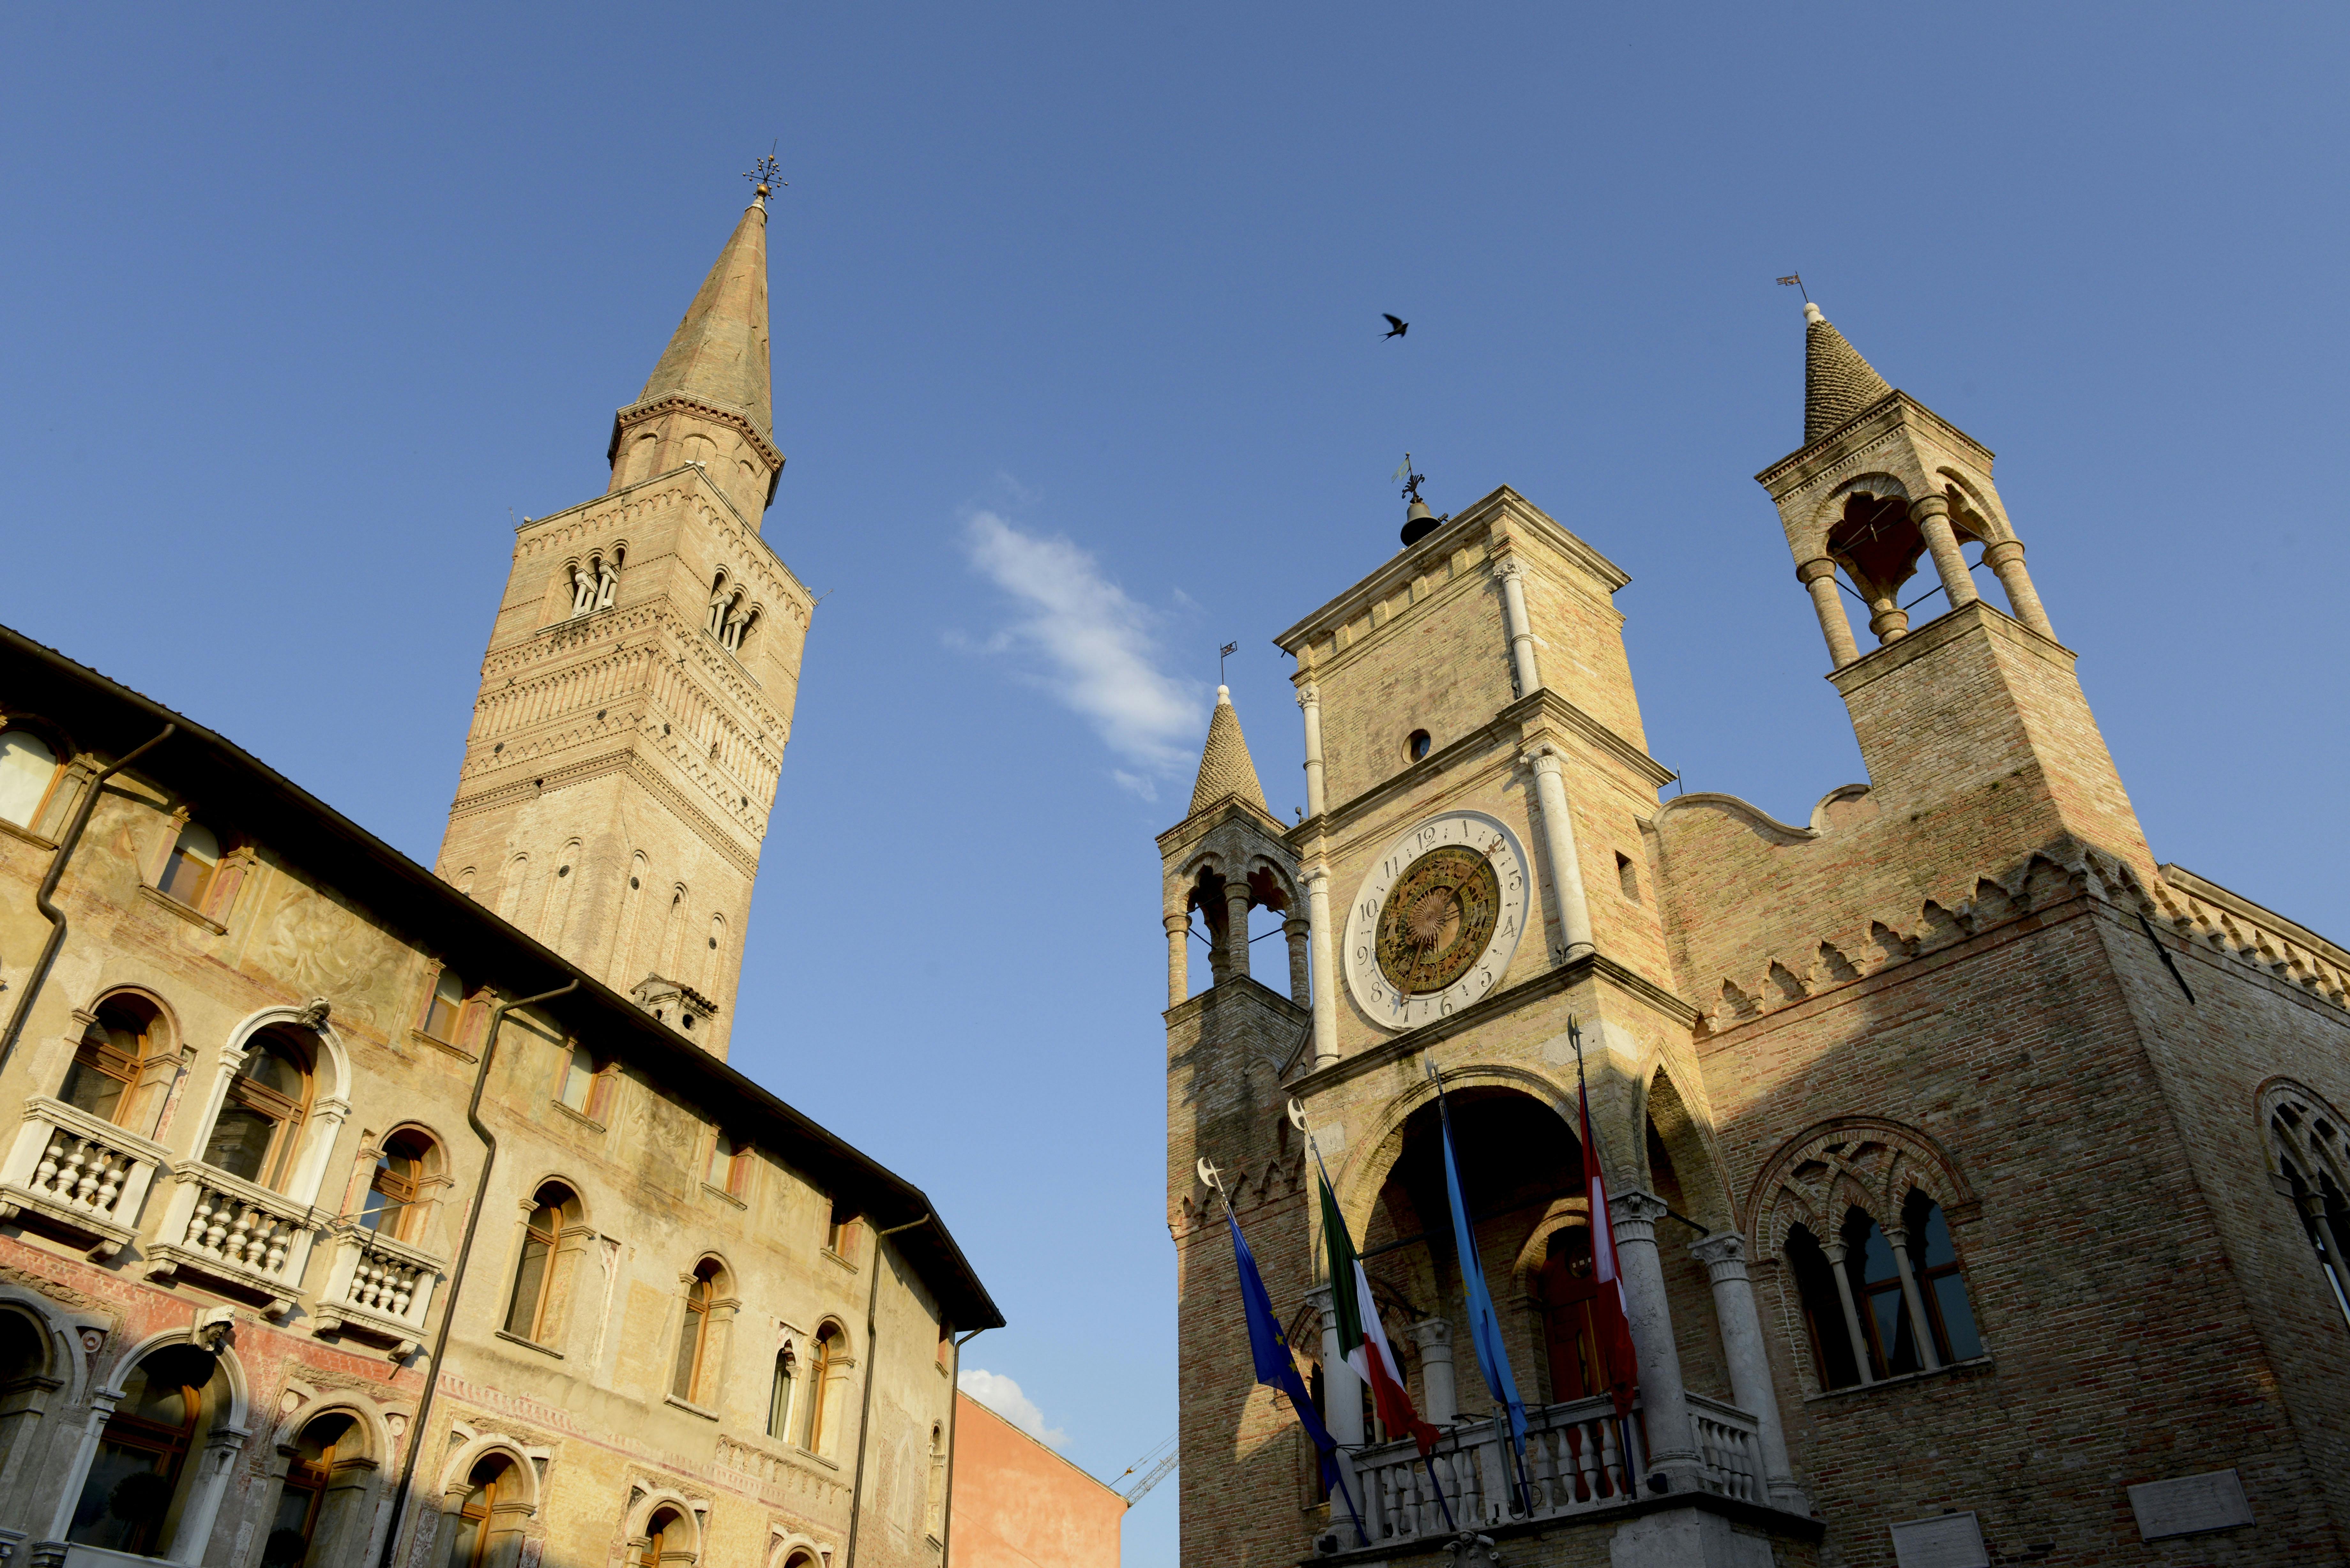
(763, 173)
(1418, 519)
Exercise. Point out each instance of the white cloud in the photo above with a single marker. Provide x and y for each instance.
(1003, 1395)
(1097, 649)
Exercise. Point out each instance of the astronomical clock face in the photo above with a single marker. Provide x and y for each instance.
(1434, 925)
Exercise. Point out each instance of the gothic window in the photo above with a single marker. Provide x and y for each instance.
(779, 1398)
(594, 579)
(824, 1371)
(445, 1006)
(1948, 1313)
(688, 1374)
(1831, 1345)
(531, 1307)
(1892, 1343)
(189, 868)
(260, 1121)
(140, 1471)
(29, 770)
(302, 1499)
(103, 1078)
(739, 622)
(474, 1542)
(395, 1204)
(721, 601)
(2308, 1155)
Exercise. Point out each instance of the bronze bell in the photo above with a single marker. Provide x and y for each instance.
(1419, 522)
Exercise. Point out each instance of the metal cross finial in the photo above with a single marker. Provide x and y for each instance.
(763, 173)
(1221, 654)
(1411, 482)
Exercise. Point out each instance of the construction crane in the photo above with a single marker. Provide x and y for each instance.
(1165, 1462)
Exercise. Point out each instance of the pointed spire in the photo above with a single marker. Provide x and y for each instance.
(1224, 765)
(719, 352)
(1837, 382)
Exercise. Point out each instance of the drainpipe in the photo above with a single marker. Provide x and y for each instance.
(865, 1412)
(954, 1405)
(56, 917)
(418, 1427)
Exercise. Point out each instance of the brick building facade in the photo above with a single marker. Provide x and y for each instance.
(1975, 1176)
(351, 1214)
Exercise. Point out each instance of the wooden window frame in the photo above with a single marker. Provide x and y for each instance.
(552, 1238)
(822, 1370)
(596, 1103)
(199, 897)
(288, 1116)
(57, 761)
(406, 1199)
(455, 1033)
(694, 1335)
(171, 1448)
(485, 1512)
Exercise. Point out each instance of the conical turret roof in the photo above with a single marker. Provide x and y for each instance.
(719, 352)
(1837, 382)
(1224, 765)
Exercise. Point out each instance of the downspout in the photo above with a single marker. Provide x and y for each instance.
(864, 1411)
(418, 1430)
(954, 1405)
(56, 917)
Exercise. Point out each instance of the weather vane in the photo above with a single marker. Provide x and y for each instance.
(1221, 654)
(1794, 280)
(1411, 482)
(764, 172)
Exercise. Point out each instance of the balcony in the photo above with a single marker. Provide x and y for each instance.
(246, 1237)
(1575, 1465)
(376, 1289)
(77, 1174)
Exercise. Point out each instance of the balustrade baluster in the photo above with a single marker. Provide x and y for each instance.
(1611, 1457)
(110, 1186)
(45, 1175)
(69, 1173)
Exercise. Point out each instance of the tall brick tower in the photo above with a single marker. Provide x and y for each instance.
(639, 688)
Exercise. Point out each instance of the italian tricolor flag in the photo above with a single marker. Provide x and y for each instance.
(1609, 1325)
(1360, 1335)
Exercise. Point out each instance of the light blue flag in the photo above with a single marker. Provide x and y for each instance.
(1484, 1326)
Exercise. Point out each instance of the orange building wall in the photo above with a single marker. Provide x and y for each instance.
(1018, 1504)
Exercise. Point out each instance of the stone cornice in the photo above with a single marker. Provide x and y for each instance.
(1887, 413)
(1416, 560)
(1941, 632)
(1549, 983)
(1545, 703)
(750, 526)
(706, 408)
(1206, 820)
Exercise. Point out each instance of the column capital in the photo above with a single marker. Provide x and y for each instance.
(1309, 695)
(1636, 1214)
(1432, 1334)
(1314, 877)
(1506, 567)
(1321, 1301)
(2000, 552)
(1927, 506)
(1295, 925)
(1543, 758)
(1174, 923)
(1816, 567)
(1723, 1253)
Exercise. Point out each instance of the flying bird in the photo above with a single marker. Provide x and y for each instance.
(1397, 328)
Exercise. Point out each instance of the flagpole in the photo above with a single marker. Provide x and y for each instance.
(1427, 1461)
(1501, 1417)
(1214, 1178)
(1583, 1088)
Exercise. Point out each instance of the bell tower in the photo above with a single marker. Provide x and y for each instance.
(639, 688)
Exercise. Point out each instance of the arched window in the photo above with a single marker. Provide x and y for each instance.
(104, 1076)
(445, 1006)
(530, 1310)
(1886, 1329)
(394, 1205)
(779, 1399)
(301, 1501)
(188, 870)
(28, 768)
(1824, 1319)
(257, 1129)
(666, 1540)
(140, 1468)
(822, 1368)
(935, 1495)
(693, 1373)
(1948, 1313)
(470, 1545)
(24, 1384)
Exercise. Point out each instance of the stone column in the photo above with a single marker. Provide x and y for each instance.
(1326, 990)
(1724, 1257)
(1309, 698)
(1512, 573)
(1299, 931)
(1342, 1403)
(1819, 577)
(1673, 1438)
(1178, 957)
(1833, 1250)
(1898, 1236)
(2005, 558)
(1236, 943)
(1439, 1398)
(1932, 516)
(101, 1410)
(206, 1493)
(1566, 865)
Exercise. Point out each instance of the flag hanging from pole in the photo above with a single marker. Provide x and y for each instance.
(1619, 1368)
(1277, 1370)
(1484, 1325)
(1361, 1335)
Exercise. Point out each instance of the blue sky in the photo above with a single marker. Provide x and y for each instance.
(1077, 366)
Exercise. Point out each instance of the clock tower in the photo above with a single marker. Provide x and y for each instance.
(641, 677)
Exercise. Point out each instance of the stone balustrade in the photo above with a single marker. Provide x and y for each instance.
(77, 1174)
(234, 1234)
(1573, 1465)
(376, 1289)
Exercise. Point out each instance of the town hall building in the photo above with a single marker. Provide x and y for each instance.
(1977, 1179)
